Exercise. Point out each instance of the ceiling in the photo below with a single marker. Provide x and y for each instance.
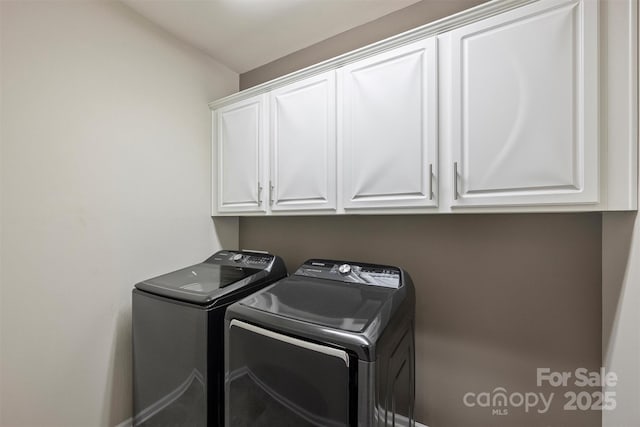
(245, 34)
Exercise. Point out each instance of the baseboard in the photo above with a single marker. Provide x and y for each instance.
(129, 423)
(402, 421)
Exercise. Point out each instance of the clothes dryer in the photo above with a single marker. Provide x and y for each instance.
(330, 346)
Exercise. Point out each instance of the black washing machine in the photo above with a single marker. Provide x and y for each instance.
(178, 336)
(330, 346)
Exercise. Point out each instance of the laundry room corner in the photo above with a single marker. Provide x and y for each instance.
(226, 232)
(319, 213)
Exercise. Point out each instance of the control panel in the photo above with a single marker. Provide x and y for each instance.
(350, 272)
(243, 258)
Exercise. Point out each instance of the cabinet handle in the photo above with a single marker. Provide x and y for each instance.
(270, 193)
(259, 193)
(430, 181)
(455, 180)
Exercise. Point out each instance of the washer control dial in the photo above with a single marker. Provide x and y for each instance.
(344, 269)
(237, 257)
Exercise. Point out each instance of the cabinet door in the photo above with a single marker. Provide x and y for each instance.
(389, 134)
(240, 136)
(303, 145)
(524, 122)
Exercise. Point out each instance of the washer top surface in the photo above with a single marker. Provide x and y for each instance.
(222, 273)
(202, 278)
(335, 294)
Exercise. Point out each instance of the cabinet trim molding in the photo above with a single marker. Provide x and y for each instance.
(482, 11)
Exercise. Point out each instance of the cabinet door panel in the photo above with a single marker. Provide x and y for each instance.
(240, 133)
(524, 112)
(303, 144)
(389, 128)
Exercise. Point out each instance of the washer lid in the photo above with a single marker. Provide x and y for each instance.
(198, 283)
(346, 306)
(222, 274)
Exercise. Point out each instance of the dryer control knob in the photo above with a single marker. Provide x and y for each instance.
(344, 268)
(237, 257)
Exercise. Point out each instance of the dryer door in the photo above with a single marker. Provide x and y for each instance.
(277, 380)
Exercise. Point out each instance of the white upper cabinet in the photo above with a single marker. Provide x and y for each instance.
(511, 106)
(303, 144)
(523, 123)
(240, 132)
(388, 131)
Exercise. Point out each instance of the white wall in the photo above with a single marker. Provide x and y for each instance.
(105, 182)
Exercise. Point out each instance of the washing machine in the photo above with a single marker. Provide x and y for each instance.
(178, 336)
(330, 346)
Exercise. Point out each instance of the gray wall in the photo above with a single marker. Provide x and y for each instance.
(620, 314)
(498, 295)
